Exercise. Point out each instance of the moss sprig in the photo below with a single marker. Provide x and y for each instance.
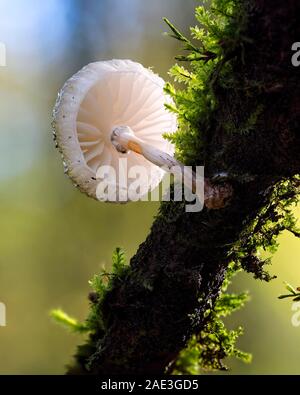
(207, 350)
(101, 284)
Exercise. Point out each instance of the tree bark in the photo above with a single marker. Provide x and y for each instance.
(177, 272)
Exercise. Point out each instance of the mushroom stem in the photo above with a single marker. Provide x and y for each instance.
(123, 139)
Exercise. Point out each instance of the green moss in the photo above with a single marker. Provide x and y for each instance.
(262, 231)
(293, 293)
(101, 284)
(71, 323)
(208, 349)
(219, 35)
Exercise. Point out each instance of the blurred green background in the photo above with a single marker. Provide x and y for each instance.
(53, 239)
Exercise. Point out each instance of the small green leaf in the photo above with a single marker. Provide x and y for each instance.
(290, 288)
(69, 322)
(284, 296)
(176, 32)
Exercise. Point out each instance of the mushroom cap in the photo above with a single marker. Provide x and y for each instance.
(99, 97)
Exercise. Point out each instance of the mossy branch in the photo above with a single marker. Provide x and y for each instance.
(238, 113)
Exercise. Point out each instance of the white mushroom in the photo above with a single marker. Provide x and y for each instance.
(94, 103)
(111, 110)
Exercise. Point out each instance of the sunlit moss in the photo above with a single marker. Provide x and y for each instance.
(208, 349)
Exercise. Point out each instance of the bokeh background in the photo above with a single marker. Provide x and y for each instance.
(53, 239)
